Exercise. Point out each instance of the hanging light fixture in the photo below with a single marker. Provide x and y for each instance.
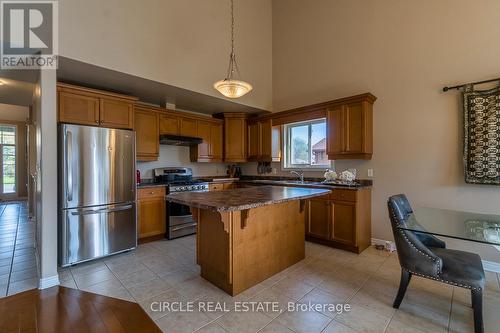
(231, 87)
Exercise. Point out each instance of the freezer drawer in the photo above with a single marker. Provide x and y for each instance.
(90, 233)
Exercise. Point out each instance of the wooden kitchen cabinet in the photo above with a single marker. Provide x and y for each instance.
(151, 212)
(210, 150)
(116, 113)
(319, 217)
(235, 137)
(341, 219)
(169, 124)
(78, 109)
(260, 140)
(85, 106)
(147, 134)
(215, 186)
(350, 129)
(188, 127)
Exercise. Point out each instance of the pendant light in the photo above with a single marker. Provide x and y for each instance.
(231, 87)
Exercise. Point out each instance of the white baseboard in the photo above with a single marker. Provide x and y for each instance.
(487, 265)
(48, 282)
(491, 266)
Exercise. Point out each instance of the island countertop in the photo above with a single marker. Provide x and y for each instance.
(244, 198)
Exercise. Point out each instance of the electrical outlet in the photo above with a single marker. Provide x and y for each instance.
(370, 172)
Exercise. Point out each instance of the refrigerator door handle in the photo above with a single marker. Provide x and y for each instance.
(69, 165)
(102, 210)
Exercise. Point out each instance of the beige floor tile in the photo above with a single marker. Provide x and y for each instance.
(179, 276)
(89, 267)
(462, 318)
(421, 317)
(94, 277)
(339, 288)
(336, 327)
(243, 322)
(293, 288)
(363, 319)
(183, 322)
(160, 305)
(148, 289)
(275, 327)
(273, 295)
(304, 321)
(396, 326)
(195, 288)
(320, 297)
(211, 328)
(111, 288)
(138, 277)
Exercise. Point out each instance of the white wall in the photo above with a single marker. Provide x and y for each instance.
(174, 156)
(46, 205)
(403, 52)
(185, 43)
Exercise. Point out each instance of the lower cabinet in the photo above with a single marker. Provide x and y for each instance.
(151, 212)
(341, 219)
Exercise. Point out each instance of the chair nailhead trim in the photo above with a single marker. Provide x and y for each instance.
(442, 280)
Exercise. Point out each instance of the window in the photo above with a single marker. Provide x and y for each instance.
(8, 159)
(305, 145)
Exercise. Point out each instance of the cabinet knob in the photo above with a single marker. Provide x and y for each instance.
(151, 192)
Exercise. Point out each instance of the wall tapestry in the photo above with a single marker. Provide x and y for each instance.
(482, 136)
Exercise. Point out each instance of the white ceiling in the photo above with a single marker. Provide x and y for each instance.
(16, 92)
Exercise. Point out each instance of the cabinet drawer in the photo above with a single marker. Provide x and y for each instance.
(344, 195)
(150, 192)
(216, 187)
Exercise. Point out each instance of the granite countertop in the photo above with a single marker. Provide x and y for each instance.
(244, 198)
(308, 184)
(149, 183)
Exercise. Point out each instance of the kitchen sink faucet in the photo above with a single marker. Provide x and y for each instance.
(299, 174)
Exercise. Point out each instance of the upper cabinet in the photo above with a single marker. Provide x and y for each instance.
(350, 128)
(188, 127)
(235, 137)
(84, 106)
(169, 124)
(210, 150)
(147, 135)
(260, 140)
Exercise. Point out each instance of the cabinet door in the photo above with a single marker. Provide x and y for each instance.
(147, 135)
(78, 109)
(319, 218)
(216, 141)
(266, 141)
(216, 187)
(203, 132)
(354, 128)
(335, 131)
(188, 127)
(253, 141)
(344, 222)
(169, 125)
(116, 113)
(276, 144)
(235, 139)
(151, 217)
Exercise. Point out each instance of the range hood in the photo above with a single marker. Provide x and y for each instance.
(176, 140)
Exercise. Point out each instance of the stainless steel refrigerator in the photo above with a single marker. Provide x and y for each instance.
(97, 212)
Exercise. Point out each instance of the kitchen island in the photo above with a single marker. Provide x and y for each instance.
(247, 235)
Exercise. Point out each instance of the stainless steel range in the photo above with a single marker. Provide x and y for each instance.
(180, 221)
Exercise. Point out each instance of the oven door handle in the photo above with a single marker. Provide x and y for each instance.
(184, 226)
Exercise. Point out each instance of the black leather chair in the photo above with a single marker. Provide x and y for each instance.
(425, 255)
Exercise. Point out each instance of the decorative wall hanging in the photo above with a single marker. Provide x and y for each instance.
(482, 135)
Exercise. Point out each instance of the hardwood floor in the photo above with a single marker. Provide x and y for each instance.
(60, 309)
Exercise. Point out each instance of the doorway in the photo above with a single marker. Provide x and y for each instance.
(8, 165)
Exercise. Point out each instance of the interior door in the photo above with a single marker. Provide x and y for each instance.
(8, 161)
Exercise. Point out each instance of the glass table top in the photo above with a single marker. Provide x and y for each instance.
(474, 227)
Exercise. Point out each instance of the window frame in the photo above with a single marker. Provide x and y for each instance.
(286, 146)
(15, 145)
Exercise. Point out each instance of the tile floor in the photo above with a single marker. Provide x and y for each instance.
(166, 271)
(18, 268)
